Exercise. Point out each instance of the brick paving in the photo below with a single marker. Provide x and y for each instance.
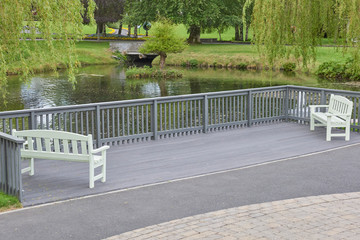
(334, 216)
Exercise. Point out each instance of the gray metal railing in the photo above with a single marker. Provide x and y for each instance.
(145, 119)
(10, 165)
(121, 122)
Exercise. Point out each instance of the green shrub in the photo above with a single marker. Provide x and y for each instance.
(121, 57)
(193, 63)
(241, 66)
(184, 64)
(288, 67)
(331, 70)
(339, 71)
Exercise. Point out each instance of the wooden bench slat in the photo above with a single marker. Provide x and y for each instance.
(83, 147)
(47, 145)
(74, 147)
(56, 145)
(66, 145)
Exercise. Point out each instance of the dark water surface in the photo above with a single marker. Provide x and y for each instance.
(108, 83)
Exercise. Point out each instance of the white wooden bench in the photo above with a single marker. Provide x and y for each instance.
(338, 115)
(59, 145)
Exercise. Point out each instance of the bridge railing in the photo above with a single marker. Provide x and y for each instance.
(123, 122)
(150, 119)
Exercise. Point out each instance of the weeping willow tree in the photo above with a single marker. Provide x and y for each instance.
(34, 32)
(284, 28)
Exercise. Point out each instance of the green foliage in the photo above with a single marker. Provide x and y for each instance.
(241, 66)
(294, 28)
(193, 63)
(338, 71)
(289, 67)
(24, 21)
(121, 57)
(331, 70)
(148, 72)
(163, 40)
(7, 202)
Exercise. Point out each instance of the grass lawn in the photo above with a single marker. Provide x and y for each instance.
(89, 53)
(8, 202)
(181, 32)
(92, 52)
(232, 54)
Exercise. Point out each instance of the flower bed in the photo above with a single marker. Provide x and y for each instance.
(113, 37)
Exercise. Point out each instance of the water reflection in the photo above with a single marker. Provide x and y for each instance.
(109, 83)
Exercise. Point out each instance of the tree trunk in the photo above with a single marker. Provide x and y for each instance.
(99, 29)
(129, 30)
(247, 33)
(237, 33)
(194, 34)
(162, 60)
(219, 34)
(135, 32)
(120, 30)
(241, 32)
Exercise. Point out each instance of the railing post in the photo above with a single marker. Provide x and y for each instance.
(154, 120)
(287, 104)
(249, 108)
(18, 171)
(98, 126)
(322, 98)
(32, 120)
(205, 114)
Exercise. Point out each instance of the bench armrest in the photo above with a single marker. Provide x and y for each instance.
(318, 106)
(313, 107)
(103, 148)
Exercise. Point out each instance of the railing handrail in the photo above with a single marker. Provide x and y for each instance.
(11, 138)
(323, 89)
(135, 101)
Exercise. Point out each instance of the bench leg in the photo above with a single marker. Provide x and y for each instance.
(103, 171)
(347, 133)
(32, 168)
(328, 133)
(312, 124)
(91, 176)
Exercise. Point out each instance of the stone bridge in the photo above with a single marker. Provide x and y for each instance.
(131, 50)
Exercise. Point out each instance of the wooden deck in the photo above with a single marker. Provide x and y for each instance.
(156, 161)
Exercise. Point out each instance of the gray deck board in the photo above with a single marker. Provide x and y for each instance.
(156, 161)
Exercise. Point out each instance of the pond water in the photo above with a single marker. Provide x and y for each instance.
(108, 83)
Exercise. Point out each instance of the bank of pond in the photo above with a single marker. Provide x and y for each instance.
(103, 83)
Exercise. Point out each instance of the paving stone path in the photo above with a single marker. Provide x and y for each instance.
(319, 217)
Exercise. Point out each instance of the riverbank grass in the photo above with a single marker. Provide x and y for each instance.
(8, 202)
(148, 72)
(88, 53)
(243, 56)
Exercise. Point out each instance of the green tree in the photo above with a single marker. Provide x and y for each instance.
(107, 11)
(301, 25)
(22, 22)
(197, 15)
(163, 41)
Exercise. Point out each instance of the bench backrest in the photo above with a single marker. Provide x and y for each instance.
(57, 145)
(340, 105)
